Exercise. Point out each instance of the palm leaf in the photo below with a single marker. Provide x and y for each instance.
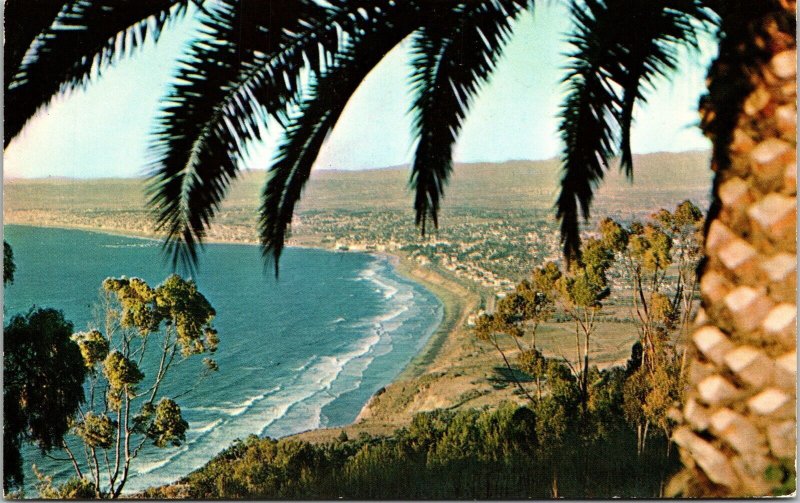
(620, 48)
(651, 52)
(215, 107)
(86, 37)
(246, 66)
(318, 114)
(453, 55)
(23, 24)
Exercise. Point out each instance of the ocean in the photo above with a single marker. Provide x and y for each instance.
(303, 352)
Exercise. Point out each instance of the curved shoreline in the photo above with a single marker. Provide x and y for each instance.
(455, 300)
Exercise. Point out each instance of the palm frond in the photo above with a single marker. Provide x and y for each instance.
(86, 37)
(318, 113)
(620, 48)
(22, 25)
(453, 55)
(247, 65)
(215, 107)
(651, 51)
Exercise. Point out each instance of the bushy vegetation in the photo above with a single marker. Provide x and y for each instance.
(549, 448)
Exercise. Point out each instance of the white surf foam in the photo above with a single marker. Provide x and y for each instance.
(199, 430)
(143, 468)
(235, 409)
(306, 364)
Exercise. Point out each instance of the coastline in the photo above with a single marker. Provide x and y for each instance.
(453, 369)
(457, 303)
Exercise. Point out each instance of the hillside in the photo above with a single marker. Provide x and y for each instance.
(513, 184)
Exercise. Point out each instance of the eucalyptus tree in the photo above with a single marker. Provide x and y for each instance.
(126, 409)
(645, 253)
(581, 292)
(250, 62)
(685, 227)
(578, 293)
(488, 328)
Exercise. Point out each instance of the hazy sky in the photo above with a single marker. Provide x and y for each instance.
(103, 131)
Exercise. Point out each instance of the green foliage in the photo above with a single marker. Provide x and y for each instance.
(74, 488)
(179, 318)
(664, 304)
(606, 396)
(211, 338)
(469, 454)
(783, 477)
(96, 430)
(614, 236)
(687, 214)
(560, 379)
(651, 248)
(662, 311)
(584, 288)
(120, 371)
(137, 301)
(176, 301)
(530, 300)
(663, 218)
(544, 278)
(664, 393)
(586, 284)
(9, 268)
(94, 347)
(635, 395)
(640, 395)
(557, 413)
(123, 375)
(522, 310)
(168, 427)
(532, 362)
(596, 255)
(486, 326)
(190, 313)
(650, 392)
(512, 307)
(210, 364)
(43, 384)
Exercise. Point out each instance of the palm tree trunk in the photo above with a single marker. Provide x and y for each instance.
(739, 419)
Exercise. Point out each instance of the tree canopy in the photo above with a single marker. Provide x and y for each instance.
(43, 374)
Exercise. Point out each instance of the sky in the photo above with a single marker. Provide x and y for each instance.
(103, 131)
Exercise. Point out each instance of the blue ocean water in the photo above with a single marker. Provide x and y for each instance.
(303, 352)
